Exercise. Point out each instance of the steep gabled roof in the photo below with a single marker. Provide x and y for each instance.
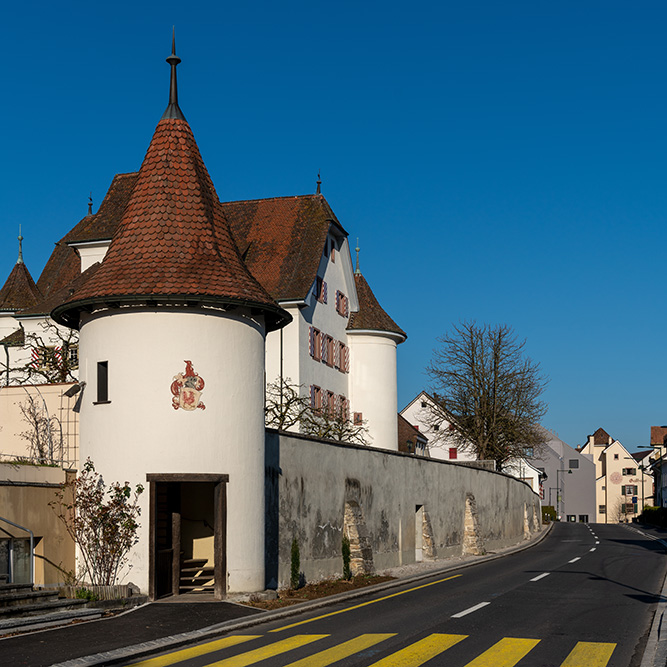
(64, 264)
(601, 437)
(59, 296)
(282, 240)
(19, 290)
(371, 316)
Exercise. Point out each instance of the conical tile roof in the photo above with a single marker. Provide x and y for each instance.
(173, 244)
(19, 290)
(371, 316)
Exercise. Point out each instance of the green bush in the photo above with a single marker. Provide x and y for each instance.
(548, 514)
(295, 570)
(347, 573)
(85, 594)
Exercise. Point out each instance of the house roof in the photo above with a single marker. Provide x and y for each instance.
(371, 316)
(601, 437)
(64, 264)
(19, 290)
(658, 435)
(408, 434)
(57, 297)
(15, 339)
(173, 243)
(281, 240)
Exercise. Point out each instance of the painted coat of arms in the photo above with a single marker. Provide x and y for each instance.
(186, 389)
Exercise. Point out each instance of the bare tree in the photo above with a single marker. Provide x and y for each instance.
(44, 433)
(50, 356)
(287, 408)
(488, 391)
(284, 407)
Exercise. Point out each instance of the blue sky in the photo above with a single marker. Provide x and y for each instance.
(503, 162)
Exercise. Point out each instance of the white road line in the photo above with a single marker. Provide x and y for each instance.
(597, 541)
(574, 560)
(541, 576)
(469, 611)
(593, 549)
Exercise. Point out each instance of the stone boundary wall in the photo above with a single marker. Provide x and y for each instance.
(318, 490)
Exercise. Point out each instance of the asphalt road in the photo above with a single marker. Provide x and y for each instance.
(584, 597)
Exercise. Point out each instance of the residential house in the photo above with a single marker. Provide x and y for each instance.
(568, 479)
(619, 480)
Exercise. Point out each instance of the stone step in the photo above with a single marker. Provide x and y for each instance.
(195, 570)
(45, 620)
(14, 588)
(40, 607)
(23, 598)
(196, 589)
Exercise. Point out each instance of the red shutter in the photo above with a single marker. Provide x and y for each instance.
(324, 292)
(310, 341)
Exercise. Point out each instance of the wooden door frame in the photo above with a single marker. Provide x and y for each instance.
(219, 528)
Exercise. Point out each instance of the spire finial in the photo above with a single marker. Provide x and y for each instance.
(90, 204)
(357, 270)
(319, 184)
(20, 259)
(173, 110)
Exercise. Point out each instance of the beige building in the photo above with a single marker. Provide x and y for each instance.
(621, 487)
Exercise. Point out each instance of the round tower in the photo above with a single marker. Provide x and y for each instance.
(172, 328)
(373, 337)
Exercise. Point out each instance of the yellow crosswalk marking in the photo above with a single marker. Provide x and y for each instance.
(187, 653)
(505, 653)
(589, 654)
(331, 655)
(251, 657)
(364, 604)
(420, 652)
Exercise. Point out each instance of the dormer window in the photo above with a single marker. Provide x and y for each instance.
(332, 254)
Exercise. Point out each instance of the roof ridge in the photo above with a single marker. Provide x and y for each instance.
(251, 201)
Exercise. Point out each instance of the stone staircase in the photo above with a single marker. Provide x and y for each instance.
(21, 605)
(196, 576)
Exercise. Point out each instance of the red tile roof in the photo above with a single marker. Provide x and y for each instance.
(282, 240)
(15, 339)
(601, 437)
(658, 435)
(64, 265)
(59, 296)
(408, 436)
(173, 243)
(19, 290)
(371, 316)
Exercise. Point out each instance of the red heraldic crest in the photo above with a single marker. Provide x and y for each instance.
(186, 389)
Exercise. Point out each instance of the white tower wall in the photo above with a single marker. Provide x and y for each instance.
(373, 386)
(139, 432)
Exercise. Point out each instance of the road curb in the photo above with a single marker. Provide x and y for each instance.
(146, 649)
(655, 653)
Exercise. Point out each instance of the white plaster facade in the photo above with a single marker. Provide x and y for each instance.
(138, 431)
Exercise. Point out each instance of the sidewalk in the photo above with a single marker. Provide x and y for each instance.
(174, 622)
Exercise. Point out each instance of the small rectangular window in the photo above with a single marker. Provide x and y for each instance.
(315, 343)
(315, 397)
(453, 453)
(321, 290)
(573, 463)
(102, 382)
(330, 403)
(328, 350)
(333, 251)
(615, 457)
(358, 418)
(629, 471)
(602, 509)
